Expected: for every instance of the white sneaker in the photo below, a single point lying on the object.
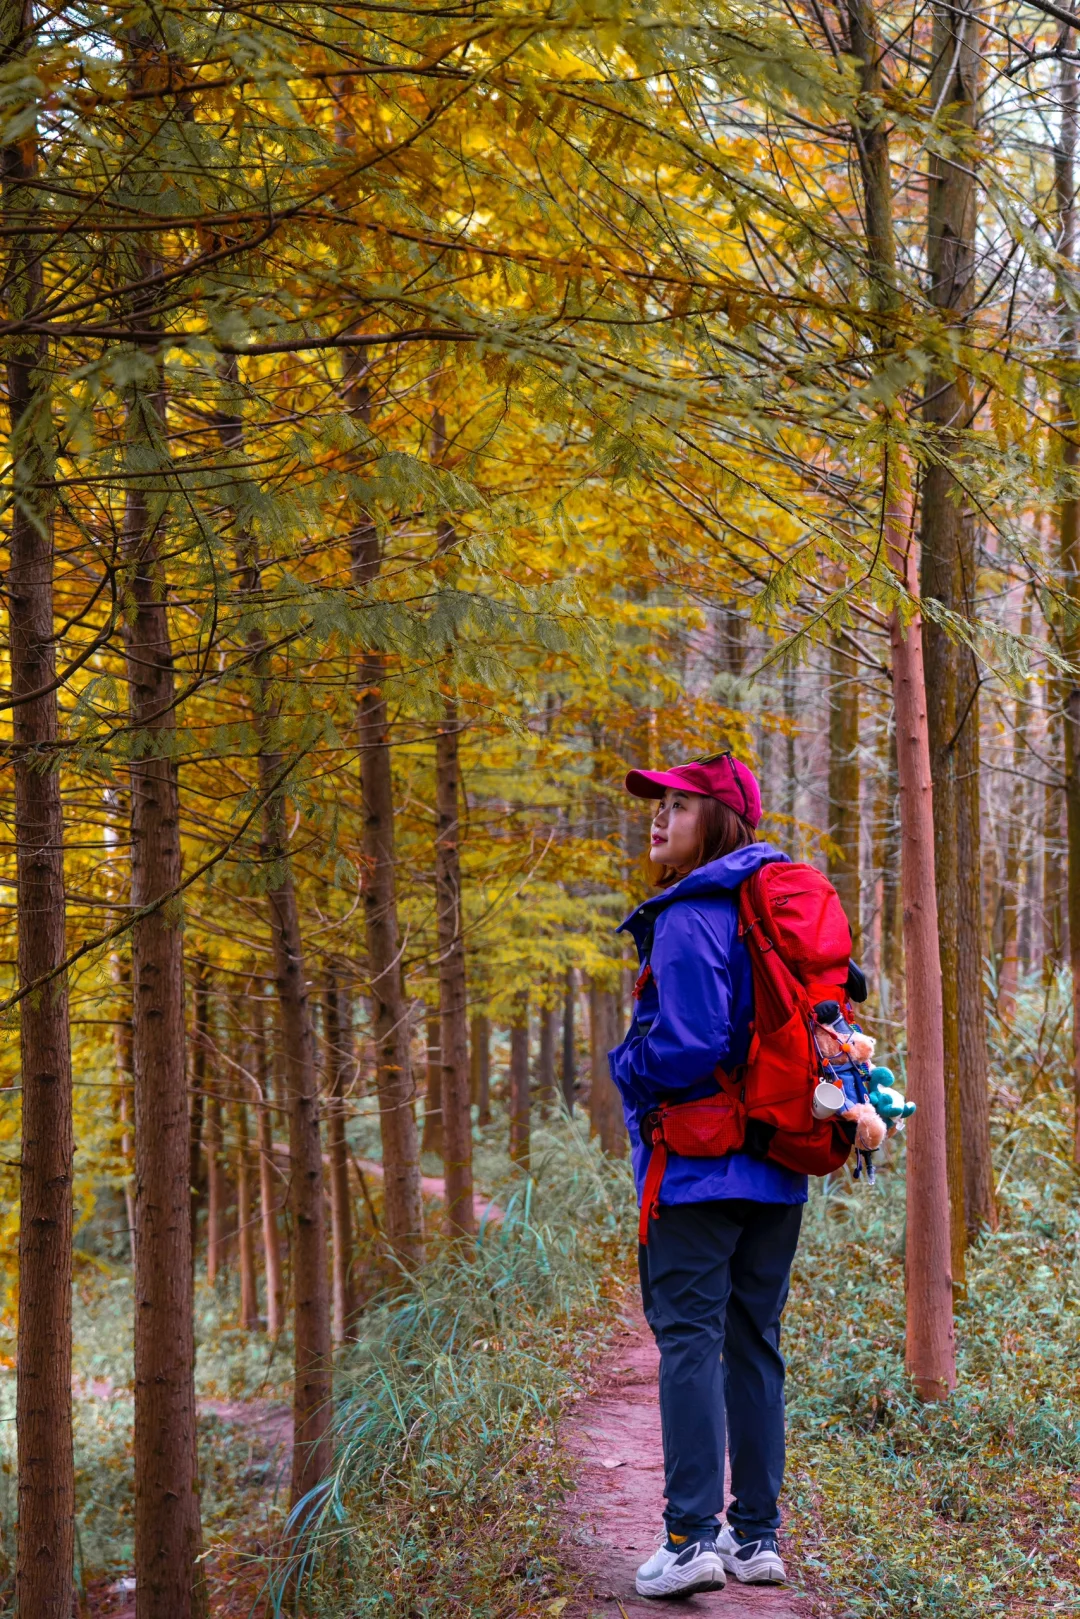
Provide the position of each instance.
(679, 1571)
(753, 1562)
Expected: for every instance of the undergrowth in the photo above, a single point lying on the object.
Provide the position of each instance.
(231, 1366)
(449, 1489)
(971, 1507)
(445, 1499)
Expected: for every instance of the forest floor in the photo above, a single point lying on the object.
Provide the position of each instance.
(476, 1412)
(615, 1513)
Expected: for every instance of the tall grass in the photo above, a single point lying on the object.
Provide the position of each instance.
(969, 1508)
(447, 1480)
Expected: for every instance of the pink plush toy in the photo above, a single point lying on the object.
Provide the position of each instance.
(870, 1126)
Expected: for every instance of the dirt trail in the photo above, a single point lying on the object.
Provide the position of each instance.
(434, 1186)
(616, 1511)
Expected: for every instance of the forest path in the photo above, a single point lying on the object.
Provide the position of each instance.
(616, 1511)
(433, 1186)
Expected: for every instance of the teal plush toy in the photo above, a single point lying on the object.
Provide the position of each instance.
(885, 1100)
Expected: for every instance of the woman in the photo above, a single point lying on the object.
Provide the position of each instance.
(715, 1271)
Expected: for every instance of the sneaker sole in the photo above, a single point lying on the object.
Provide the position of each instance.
(744, 1576)
(705, 1582)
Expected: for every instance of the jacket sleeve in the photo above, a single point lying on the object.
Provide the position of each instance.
(691, 1031)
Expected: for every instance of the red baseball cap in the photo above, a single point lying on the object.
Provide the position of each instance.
(720, 776)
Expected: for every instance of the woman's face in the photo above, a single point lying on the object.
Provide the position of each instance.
(675, 830)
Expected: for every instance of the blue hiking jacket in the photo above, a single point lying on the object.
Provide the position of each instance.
(694, 1013)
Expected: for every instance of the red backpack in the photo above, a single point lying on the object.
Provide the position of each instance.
(800, 948)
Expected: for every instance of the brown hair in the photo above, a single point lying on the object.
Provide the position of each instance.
(720, 830)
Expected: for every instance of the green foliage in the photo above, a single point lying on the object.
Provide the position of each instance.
(967, 1508)
(445, 1495)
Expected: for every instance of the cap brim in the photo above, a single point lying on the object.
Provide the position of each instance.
(654, 783)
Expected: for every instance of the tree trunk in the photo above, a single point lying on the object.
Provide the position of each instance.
(939, 557)
(1008, 975)
(1069, 535)
(930, 1349)
(46, 1471)
(167, 1522)
(245, 1219)
(337, 1053)
(431, 1139)
(980, 1207)
(1052, 872)
(312, 1344)
(403, 1206)
(549, 1018)
(892, 944)
(519, 1081)
(947, 407)
(453, 993)
(313, 1352)
(569, 1045)
(605, 1109)
(791, 780)
(216, 1185)
(480, 1056)
(269, 1196)
(123, 1059)
(393, 1076)
(844, 820)
(197, 1112)
(126, 1156)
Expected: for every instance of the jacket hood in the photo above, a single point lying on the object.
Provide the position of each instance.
(719, 876)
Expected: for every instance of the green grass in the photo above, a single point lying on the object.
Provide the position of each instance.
(969, 1508)
(446, 1498)
(231, 1365)
(449, 1494)
(449, 1491)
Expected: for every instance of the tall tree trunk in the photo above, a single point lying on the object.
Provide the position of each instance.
(549, 1018)
(569, 1044)
(480, 1058)
(217, 1193)
(245, 1220)
(605, 1109)
(844, 820)
(951, 220)
(1008, 976)
(313, 1351)
(520, 1102)
(124, 1071)
(892, 951)
(980, 1206)
(1069, 533)
(393, 1074)
(46, 1471)
(312, 1343)
(431, 1138)
(791, 838)
(930, 1347)
(403, 1207)
(269, 1196)
(337, 1054)
(1052, 874)
(199, 1050)
(168, 1532)
(453, 992)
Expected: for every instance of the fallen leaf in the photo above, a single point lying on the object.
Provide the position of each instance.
(612, 1464)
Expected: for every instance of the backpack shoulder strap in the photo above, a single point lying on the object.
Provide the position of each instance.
(777, 990)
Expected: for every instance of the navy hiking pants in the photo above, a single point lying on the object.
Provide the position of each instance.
(714, 1281)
